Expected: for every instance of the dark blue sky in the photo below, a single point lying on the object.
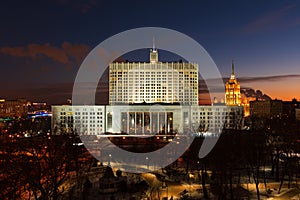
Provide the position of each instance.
(42, 43)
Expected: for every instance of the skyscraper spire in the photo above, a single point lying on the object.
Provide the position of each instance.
(153, 52)
(232, 68)
(153, 44)
(233, 90)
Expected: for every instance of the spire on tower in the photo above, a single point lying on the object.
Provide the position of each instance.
(232, 68)
(153, 44)
(153, 53)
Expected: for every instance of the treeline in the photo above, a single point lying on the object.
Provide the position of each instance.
(38, 167)
(261, 156)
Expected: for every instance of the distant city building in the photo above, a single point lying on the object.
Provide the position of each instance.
(297, 113)
(38, 109)
(289, 109)
(152, 97)
(246, 104)
(233, 93)
(90, 120)
(13, 108)
(38, 106)
(137, 82)
(233, 90)
(266, 109)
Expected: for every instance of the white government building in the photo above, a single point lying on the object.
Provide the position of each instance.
(148, 98)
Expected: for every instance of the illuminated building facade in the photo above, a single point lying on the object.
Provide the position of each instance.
(148, 98)
(233, 95)
(137, 82)
(13, 108)
(144, 119)
(233, 90)
(89, 120)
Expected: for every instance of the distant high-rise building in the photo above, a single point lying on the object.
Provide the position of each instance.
(289, 109)
(233, 95)
(233, 90)
(266, 109)
(165, 82)
(297, 114)
(13, 108)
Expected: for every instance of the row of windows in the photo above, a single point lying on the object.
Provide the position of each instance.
(169, 75)
(152, 93)
(78, 109)
(88, 113)
(153, 78)
(117, 67)
(153, 90)
(91, 125)
(66, 117)
(69, 122)
(216, 122)
(85, 129)
(145, 71)
(130, 78)
(216, 117)
(211, 113)
(86, 117)
(230, 110)
(78, 121)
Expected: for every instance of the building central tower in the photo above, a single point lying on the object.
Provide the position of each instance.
(153, 82)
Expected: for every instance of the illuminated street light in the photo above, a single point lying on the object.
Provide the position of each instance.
(147, 162)
(165, 187)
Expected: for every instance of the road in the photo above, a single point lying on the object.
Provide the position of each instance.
(173, 189)
(291, 194)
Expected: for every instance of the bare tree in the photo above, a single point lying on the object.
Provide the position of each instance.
(42, 164)
(256, 157)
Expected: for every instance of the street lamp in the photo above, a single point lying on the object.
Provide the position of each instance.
(109, 159)
(147, 162)
(165, 187)
(190, 177)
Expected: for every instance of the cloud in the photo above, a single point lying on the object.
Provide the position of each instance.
(78, 52)
(268, 78)
(53, 93)
(250, 92)
(272, 20)
(242, 80)
(67, 54)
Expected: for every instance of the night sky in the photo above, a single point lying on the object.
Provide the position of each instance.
(42, 43)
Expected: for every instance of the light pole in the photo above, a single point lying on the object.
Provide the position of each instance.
(147, 162)
(190, 176)
(165, 187)
(109, 159)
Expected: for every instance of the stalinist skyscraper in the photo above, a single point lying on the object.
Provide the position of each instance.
(233, 90)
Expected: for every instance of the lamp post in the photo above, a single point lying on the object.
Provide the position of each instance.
(147, 160)
(191, 176)
(165, 187)
(109, 159)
